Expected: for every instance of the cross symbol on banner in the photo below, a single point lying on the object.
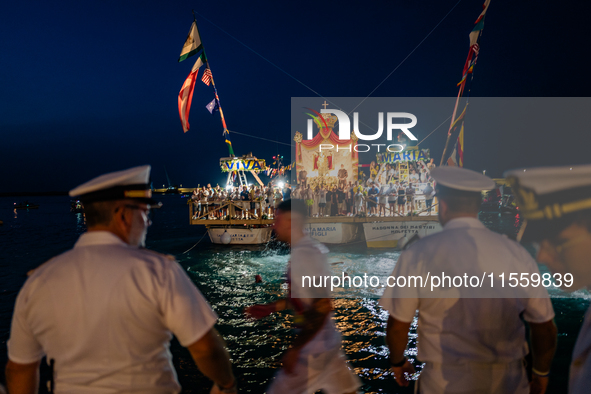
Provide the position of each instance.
(325, 105)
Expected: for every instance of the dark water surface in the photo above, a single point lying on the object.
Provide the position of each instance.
(225, 275)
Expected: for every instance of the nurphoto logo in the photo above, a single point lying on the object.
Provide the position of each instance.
(344, 132)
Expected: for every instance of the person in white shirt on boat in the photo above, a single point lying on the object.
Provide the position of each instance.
(204, 202)
(359, 201)
(414, 176)
(401, 200)
(322, 201)
(277, 198)
(472, 339)
(383, 199)
(105, 311)
(270, 198)
(410, 198)
(556, 205)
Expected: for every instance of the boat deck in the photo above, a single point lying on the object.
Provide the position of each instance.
(423, 217)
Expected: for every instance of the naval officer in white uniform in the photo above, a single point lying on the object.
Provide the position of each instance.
(556, 205)
(469, 344)
(105, 311)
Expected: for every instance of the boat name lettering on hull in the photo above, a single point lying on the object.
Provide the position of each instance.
(407, 228)
(321, 231)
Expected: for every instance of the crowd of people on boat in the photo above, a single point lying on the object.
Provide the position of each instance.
(373, 199)
(382, 194)
(243, 202)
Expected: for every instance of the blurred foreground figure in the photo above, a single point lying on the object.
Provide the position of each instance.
(315, 360)
(556, 205)
(469, 344)
(106, 310)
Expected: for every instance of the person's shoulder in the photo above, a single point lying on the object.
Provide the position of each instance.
(148, 253)
(310, 245)
(50, 265)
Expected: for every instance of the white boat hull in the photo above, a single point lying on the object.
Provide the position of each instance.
(241, 236)
(333, 233)
(395, 234)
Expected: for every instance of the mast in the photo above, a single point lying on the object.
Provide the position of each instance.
(167, 178)
(474, 35)
(226, 133)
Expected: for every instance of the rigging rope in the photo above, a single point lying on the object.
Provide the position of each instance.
(407, 56)
(312, 90)
(203, 236)
(441, 124)
(260, 138)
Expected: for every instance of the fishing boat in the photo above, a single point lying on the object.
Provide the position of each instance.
(76, 206)
(231, 230)
(25, 205)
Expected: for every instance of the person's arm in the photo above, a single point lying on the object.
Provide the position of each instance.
(22, 378)
(213, 361)
(314, 319)
(543, 346)
(396, 340)
(263, 310)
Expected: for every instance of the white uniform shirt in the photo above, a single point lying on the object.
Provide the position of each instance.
(106, 311)
(456, 330)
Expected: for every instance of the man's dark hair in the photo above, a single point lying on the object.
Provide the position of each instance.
(98, 212)
(459, 200)
(297, 206)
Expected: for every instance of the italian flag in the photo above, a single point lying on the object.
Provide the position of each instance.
(192, 44)
(186, 93)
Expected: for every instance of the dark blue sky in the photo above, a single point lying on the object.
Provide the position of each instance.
(91, 87)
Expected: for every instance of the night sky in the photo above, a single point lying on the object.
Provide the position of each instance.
(91, 87)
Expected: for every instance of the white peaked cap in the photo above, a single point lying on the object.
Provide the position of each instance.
(462, 179)
(132, 183)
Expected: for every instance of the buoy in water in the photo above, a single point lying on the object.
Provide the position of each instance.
(226, 238)
(258, 279)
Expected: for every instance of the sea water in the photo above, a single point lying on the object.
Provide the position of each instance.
(226, 276)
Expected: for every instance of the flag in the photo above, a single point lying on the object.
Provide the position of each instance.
(459, 118)
(484, 9)
(451, 161)
(462, 81)
(457, 156)
(192, 44)
(213, 106)
(206, 77)
(460, 146)
(186, 93)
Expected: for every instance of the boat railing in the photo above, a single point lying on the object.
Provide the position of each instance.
(393, 212)
(231, 205)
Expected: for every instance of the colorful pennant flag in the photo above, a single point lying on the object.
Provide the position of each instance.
(206, 77)
(457, 156)
(460, 146)
(186, 93)
(213, 106)
(192, 44)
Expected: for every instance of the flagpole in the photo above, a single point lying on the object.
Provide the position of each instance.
(453, 119)
(217, 98)
(226, 132)
(464, 79)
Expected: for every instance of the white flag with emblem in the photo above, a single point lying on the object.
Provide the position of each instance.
(192, 43)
